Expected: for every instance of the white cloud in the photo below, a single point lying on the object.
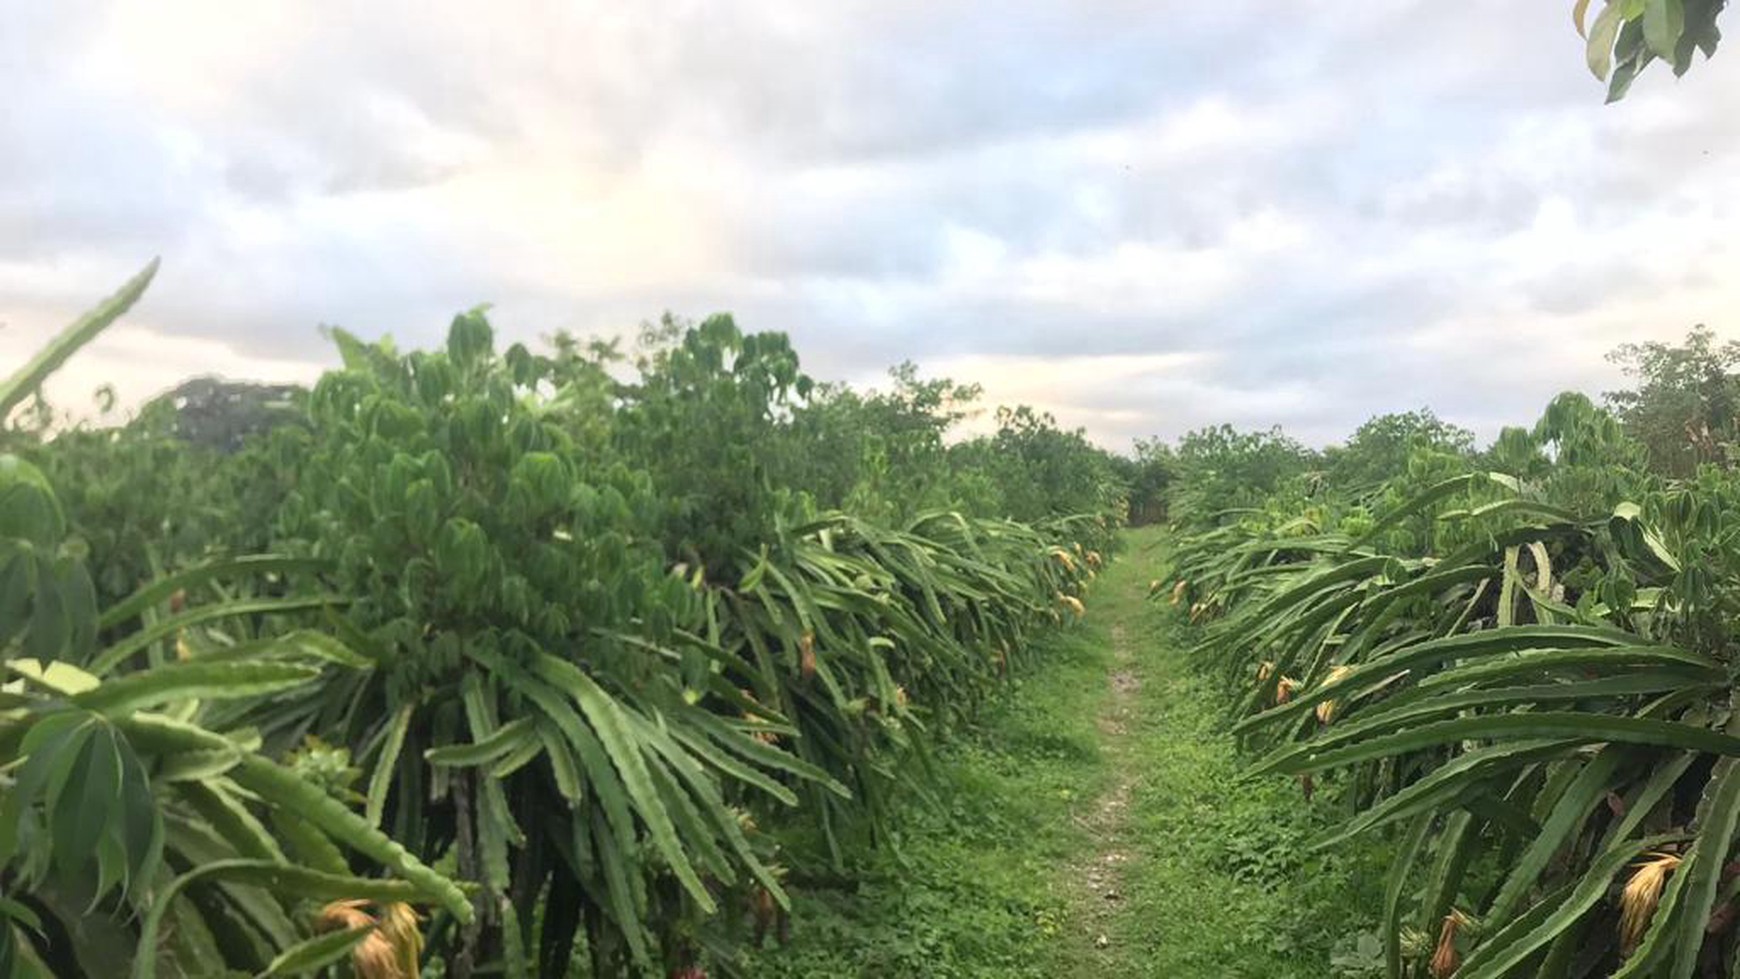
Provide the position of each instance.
(1144, 217)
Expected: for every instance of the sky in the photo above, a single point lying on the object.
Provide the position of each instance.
(1142, 217)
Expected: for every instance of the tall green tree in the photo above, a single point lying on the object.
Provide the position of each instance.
(1380, 448)
(880, 454)
(1222, 468)
(1686, 406)
(1040, 469)
(708, 404)
(1150, 475)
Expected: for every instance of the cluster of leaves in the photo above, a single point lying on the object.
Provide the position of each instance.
(1148, 479)
(1219, 471)
(1525, 674)
(886, 455)
(1685, 410)
(1040, 471)
(580, 637)
(142, 830)
(1626, 36)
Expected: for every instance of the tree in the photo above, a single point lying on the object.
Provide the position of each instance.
(1686, 406)
(1221, 468)
(879, 454)
(1150, 475)
(222, 415)
(1381, 447)
(1039, 469)
(708, 403)
(1627, 35)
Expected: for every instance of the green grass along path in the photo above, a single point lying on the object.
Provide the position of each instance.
(1094, 826)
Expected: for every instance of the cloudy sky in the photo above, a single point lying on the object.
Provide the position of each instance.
(1144, 217)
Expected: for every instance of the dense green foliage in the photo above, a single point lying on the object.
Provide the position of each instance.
(1627, 36)
(1513, 665)
(1685, 409)
(583, 647)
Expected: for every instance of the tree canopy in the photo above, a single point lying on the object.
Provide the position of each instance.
(1683, 409)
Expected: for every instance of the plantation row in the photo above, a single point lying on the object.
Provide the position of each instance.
(1512, 669)
(475, 662)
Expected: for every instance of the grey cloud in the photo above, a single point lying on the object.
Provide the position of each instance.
(843, 154)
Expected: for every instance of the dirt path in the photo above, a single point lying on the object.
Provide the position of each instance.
(1184, 868)
(1099, 878)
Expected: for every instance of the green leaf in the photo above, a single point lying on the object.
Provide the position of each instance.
(279, 786)
(503, 741)
(141, 820)
(563, 764)
(1407, 855)
(62, 678)
(1602, 36)
(193, 680)
(470, 339)
(1458, 779)
(1587, 790)
(1663, 23)
(29, 509)
(159, 591)
(1544, 724)
(285, 881)
(316, 953)
(1703, 865)
(766, 755)
(1506, 951)
(1491, 642)
(1455, 847)
(52, 748)
(219, 805)
(513, 952)
(606, 718)
(88, 800)
(386, 764)
(50, 627)
(1432, 494)
(1429, 700)
(120, 651)
(27, 379)
(161, 734)
(306, 845)
(619, 899)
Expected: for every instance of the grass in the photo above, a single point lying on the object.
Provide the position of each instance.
(1222, 882)
(975, 890)
(1213, 877)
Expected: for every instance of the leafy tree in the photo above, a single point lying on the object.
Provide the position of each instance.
(880, 454)
(1686, 406)
(1150, 476)
(222, 415)
(1515, 452)
(1222, 468)
(1039, 469)
(513, 593)
(1381, 447)
(134, 816)
(1627, 35)
(702, 418)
